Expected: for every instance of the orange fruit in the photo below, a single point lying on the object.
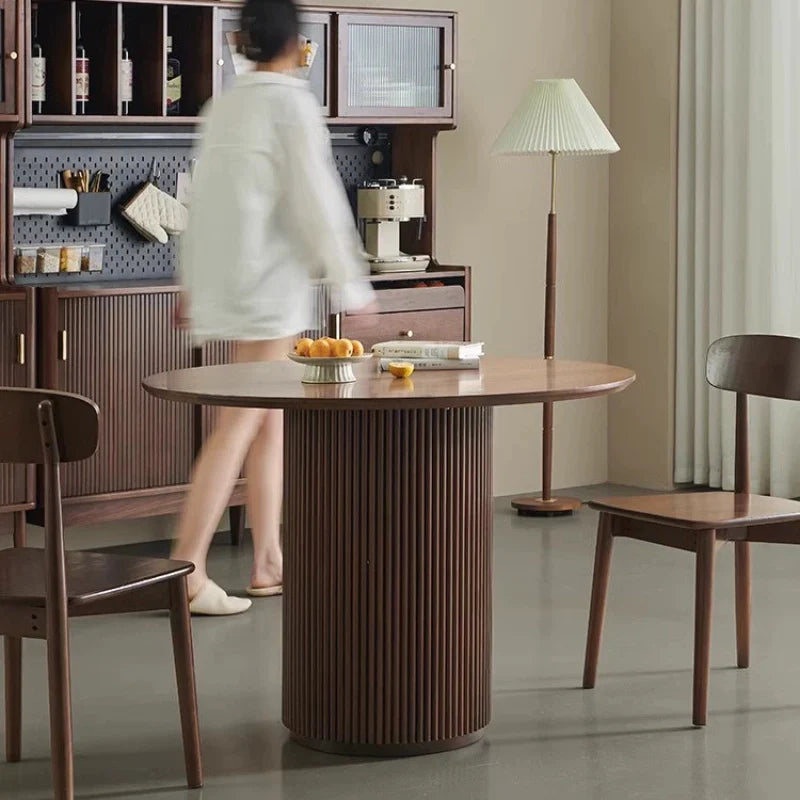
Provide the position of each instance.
(342, 348)
(303, 347)
(329, 340)
(320, 349)
(401, 369)
(358, 348)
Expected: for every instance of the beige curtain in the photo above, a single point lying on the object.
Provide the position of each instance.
(738, 226)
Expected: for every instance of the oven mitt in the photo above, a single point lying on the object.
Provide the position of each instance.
(155, 214)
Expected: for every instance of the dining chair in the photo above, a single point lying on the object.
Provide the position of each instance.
(766, 366)
(41, 589)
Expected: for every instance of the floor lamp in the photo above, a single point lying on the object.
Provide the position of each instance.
(555, 119)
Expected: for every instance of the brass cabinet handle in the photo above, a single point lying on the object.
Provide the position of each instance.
(62, 355)
(21, 349)
(407, 334)
(13, 55)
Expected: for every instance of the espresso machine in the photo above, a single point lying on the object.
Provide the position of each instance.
(382, 206)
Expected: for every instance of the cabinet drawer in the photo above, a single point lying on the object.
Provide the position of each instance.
(421, 299)
(446, 325)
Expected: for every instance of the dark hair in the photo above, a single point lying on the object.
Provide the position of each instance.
(268, 28)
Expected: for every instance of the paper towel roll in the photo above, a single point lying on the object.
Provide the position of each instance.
(43, 201)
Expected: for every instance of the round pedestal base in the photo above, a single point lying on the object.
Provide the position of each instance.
(537, 507)
(387, 584)
(390, 750)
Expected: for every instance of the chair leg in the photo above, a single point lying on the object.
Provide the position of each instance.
(743, 604)
(704, 590)
(13, 669)
(602, 571)
(236, 514)
(60, 707)
(180, 621)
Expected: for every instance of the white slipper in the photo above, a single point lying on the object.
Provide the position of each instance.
(269, 591)
(213, 601)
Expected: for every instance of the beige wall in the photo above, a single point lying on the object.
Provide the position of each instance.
(641, 302)
(492, 214)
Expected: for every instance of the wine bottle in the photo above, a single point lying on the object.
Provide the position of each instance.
(38, 67)
(173, 82)
(81, 72)
(125, 77)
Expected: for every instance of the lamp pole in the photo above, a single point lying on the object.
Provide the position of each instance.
(547, 505)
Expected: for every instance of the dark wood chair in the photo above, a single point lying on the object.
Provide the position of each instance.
(766, 366)
(41, 589)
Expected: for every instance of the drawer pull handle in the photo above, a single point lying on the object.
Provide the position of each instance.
(62, 355)
(407, 334)
(21, 349)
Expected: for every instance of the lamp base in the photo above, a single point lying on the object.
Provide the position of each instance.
(538, 507)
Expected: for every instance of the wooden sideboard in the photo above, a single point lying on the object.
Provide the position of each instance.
(102, 342)
(102, 339)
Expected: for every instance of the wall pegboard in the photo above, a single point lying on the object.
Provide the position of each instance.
(128, 257)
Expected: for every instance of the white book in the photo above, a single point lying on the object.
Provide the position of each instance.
(423, 364)
(440, 350)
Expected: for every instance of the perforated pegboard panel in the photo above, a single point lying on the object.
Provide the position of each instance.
(128, 257)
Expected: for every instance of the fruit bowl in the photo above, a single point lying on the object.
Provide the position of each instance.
(329, 370)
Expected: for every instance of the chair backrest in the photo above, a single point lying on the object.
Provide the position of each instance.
(768, 366)
(75, 420)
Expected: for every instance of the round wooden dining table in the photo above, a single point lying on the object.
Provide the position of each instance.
(387, 615)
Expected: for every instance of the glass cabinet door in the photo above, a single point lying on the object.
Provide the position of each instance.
(314, 27)
(11, 62)
(395, 65)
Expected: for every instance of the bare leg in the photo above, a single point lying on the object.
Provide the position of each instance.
(264, 471)
(217, 469)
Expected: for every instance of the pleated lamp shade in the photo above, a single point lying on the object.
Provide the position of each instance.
(555, 117)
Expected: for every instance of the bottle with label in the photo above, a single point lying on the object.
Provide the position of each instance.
(81, 72)
(38, 67)
(125, 78)
(173, 82)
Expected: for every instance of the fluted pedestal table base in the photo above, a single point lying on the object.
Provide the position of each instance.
(387, 589)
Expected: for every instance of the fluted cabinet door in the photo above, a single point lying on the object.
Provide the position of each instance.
(396, 65)
(14, 359)
(106, 343)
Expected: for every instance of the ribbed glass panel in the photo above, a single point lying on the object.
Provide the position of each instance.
(394, 66)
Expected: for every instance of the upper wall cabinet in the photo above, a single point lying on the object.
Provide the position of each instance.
(144, 61)
(397, 66)
(12, 63)
(315, 27)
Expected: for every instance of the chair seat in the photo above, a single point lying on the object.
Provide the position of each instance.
(90, 576)
(703, 510)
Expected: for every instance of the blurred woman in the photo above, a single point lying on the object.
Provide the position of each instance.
(268, 216)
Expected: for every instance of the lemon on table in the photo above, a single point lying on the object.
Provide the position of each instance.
(401, 369)
(303, 348)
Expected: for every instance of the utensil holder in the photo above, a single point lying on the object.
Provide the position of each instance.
(94, 208)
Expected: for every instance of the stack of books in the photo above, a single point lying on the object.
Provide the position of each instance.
(430, 355)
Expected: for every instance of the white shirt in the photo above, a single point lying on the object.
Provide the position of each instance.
(268, 215)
